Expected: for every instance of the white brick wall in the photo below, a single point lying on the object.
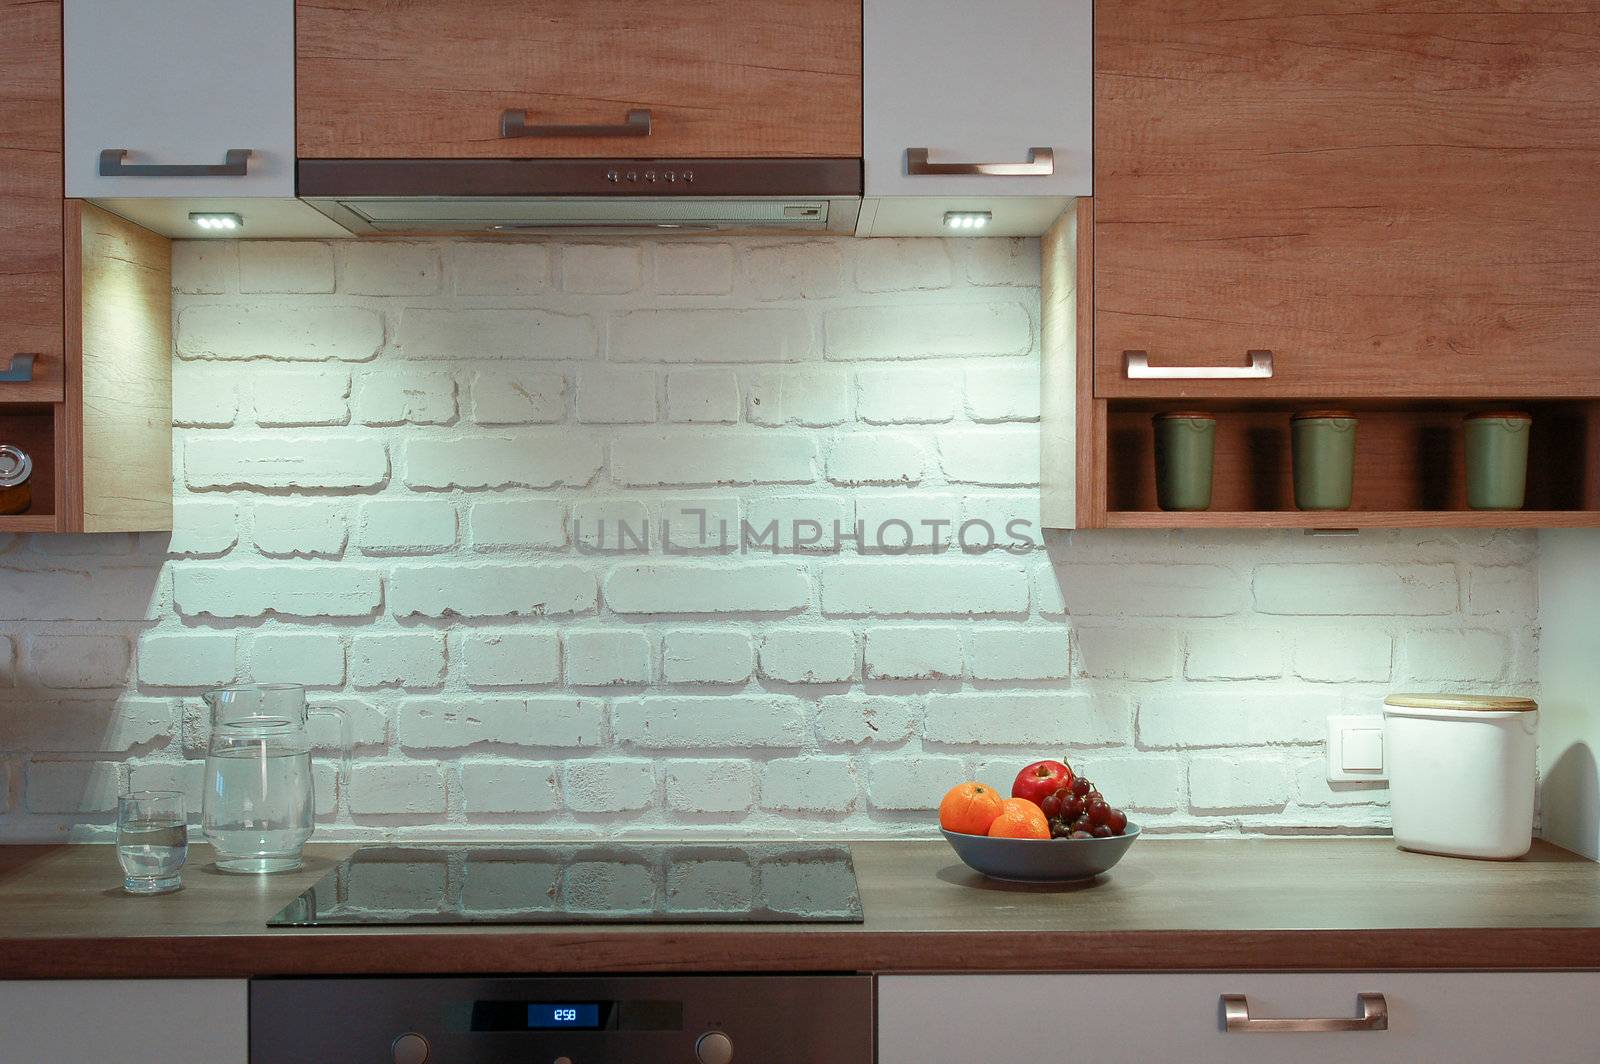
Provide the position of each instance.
(721, 789)
(914, 652)
(391, 464)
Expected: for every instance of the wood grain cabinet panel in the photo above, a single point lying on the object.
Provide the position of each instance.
(1394, 199)
(431, 78)
(30, 206)
(102, 457)
(119, 419)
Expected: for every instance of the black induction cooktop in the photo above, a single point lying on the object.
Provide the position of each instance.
(610, 883)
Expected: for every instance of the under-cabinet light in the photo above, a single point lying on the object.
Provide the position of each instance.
(966, 219)
(216, 220)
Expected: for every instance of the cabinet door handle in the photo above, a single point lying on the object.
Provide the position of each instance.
(515, 124)
(1374, 1017)
(19, 370)
(1139, 368)
(1041, 163)
(235, 163)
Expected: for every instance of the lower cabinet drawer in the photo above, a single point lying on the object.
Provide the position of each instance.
(1472, 1018)
(130, 1021)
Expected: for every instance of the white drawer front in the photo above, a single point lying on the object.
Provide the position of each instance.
(1434, 1018)
(136, 1021)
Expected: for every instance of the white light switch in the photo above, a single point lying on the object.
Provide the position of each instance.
(1363, 750)
(1355, 749)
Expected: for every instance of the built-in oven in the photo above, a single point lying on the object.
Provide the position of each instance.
(689, 1019)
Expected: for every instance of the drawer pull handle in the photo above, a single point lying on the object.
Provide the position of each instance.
(1374, 1017)
(20, 370)
(1041, 163)
(235, 163)
(1139, 368)
(515, 124)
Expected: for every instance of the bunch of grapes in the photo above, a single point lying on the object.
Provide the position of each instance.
(1078, 812)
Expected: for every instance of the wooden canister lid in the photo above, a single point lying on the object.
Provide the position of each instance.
(1186, 415)
(1339, 414)
(1500, 415)
(1472, 703)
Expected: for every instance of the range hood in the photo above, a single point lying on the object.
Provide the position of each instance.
(615, 196)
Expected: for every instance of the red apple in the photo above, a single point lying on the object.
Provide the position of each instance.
(1041, 779)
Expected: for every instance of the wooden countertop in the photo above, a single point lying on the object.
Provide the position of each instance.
(1305, 904)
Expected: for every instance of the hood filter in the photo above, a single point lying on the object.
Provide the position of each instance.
(514, 214)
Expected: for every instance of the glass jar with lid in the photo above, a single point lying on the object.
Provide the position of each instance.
(16, 469)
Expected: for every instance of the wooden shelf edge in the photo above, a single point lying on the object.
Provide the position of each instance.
(31, 394)
(1357, 519)
(28, 523)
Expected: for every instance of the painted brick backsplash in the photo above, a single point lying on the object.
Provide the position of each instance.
(666, 537)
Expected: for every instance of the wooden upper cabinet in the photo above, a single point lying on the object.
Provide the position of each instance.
(30, 206)
(1394, 200)
(382, 79)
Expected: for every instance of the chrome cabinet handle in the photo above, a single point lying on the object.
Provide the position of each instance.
(19, 371)
(515, 124)
(1139, 368)
(1041, 163)
(235, 163)
(1374, 1017)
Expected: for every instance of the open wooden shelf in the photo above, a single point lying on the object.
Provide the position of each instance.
(1410, 467)
(33, 427)
(1338, 519)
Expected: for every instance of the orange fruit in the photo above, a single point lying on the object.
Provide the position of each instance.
(969, 808)
(1020, 819)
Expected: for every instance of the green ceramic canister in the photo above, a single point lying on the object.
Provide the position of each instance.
(1185, 451)
(1324, 459)
(1497, 459)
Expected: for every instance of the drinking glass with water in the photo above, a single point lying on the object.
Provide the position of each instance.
(152, 840)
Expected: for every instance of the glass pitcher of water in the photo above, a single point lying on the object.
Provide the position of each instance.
(258, 805)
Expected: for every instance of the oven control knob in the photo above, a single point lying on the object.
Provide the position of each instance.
(410, 1048)
(714, 1047)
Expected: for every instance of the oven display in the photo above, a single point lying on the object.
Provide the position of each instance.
(532, 1017)
(566, 1015)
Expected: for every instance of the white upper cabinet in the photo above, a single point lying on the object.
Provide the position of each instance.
(977, 102)
(182, 87)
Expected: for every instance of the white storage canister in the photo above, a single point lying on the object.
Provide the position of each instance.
(1461, 773)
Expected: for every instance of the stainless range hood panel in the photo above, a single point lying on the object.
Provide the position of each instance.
(584, 195)
(513, 214)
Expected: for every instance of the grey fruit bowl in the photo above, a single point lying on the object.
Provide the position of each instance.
(1041, 860)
